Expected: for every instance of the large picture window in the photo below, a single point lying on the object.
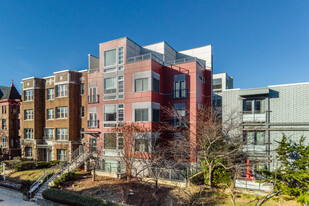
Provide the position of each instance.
(110, 58)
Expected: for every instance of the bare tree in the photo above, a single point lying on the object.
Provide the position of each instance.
(208, 139)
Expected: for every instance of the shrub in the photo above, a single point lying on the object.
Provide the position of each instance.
(25, 186)
(40, 165)
(59, 181)
(24, 166)
(10, 163)
(54, 162)
(70, 198)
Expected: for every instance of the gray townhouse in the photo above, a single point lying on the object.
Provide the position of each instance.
(265, 114)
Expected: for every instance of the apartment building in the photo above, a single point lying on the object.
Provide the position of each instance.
(265, 115)
(220, 82)
(53, 114)
(131, 83)
(9, 111)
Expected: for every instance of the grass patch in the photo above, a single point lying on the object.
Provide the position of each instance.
(31, 175)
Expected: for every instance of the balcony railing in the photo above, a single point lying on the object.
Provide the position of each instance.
(93, 124)
(93, 99)
(254, 117)
(180, 94)
(184, 60)
(256, 149)
(144, 57)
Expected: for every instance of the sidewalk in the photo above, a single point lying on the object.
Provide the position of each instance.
(9, 197)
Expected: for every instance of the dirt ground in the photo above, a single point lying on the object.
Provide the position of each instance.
(141, 194)
(118, 190)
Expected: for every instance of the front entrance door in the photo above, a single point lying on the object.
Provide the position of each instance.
(45, 154)
(92, 144)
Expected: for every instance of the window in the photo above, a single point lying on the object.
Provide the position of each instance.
(50, 94)
(120, 55)
(113, 69)
(82, 89)
(217, 83)
(110, 113)
(180, 89)
(113, 141)
(120, 112)
(61, 154)
(141, 145)
(110, 140)
(120, 84)
(253, 106)
(110, 58)
(62, 90)
(141, 115)
(50, 114)
(3, 109)
(82, 135)
(61, 134)
(141, 85)
(28, 151)
(155, 85)
(4, 124)
(12, 109)
(201, 78)
(93, 97)
(82, 111)
(28, 133)
(4, 142)
(29, 114)
(110, 85)
(156, 115)
(28, 95)
(180, 113)
(254, 138)
(49, 133)
(93, 122)
(61, 112)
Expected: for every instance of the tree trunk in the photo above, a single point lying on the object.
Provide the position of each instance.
(210, 177)
(93, 174)
(156, 187)
(128, 174)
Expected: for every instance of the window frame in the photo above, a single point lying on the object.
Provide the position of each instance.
(63, 112)
(62, 91)
(48, 115)
(62, 136)
(28, 97)
(142, 84)
(142, 110)
(50, 95)
(28, 114)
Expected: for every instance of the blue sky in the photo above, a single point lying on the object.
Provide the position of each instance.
(258, 42)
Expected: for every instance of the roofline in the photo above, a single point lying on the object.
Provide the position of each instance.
(84, 70)
(93, 56)
(161, 42)
(196, 47)
(29, 78)
(48, 77)
(292, 84)
(114, 40)
(66, 70)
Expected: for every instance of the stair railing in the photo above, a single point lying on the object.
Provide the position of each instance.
(53, 172)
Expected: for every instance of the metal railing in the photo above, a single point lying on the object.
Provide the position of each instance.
(184, 60)
(180, 94)
(93, 99)
(92, 124)
(144, 57)
(77, 158)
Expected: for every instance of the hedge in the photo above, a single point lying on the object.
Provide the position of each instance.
(59, 181)
(74, 199)
(28, 165)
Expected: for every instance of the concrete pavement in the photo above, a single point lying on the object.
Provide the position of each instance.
(9, 197)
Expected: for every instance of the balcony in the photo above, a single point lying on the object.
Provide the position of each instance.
(93, 99)
(254, 117)
(180, 94)
(144, 57)
(92, 124)
(185, 60)
(255, 149)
